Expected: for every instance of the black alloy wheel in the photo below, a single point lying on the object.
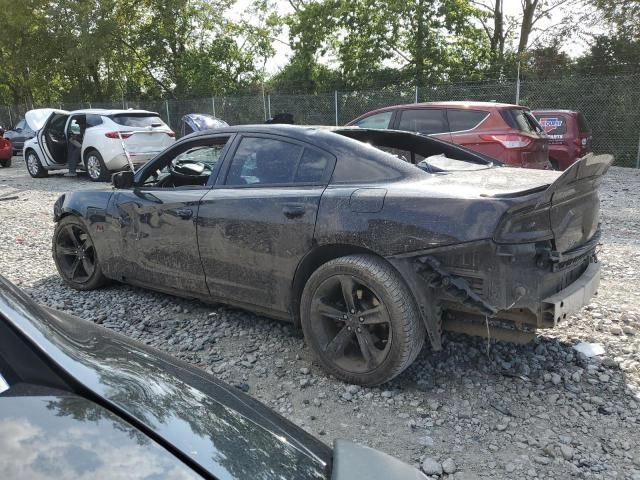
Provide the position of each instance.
(360, 320)
(351, 324)
(75, 255)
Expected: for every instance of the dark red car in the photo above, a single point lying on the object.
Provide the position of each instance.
(569, 136)
(6, 150)
(509, 133)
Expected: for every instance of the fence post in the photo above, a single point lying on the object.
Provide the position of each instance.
(335, 93)
(213, 106)
(264, 104)
(10, 117)
(638, 154)
(269, 104)
(518, 86)
(166, 105)
(416, 93)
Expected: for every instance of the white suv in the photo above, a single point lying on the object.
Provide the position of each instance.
(107, 137)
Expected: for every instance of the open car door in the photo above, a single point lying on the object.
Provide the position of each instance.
(52, 138)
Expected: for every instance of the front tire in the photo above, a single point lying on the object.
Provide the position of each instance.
(34, 166)
(360, 320)
(75, 255)
(5, 163)
(96, 169)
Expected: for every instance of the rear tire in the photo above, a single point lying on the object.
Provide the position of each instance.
(360, 320)
(34, 166)
(96, 169)
(5, 163)
(75, 255)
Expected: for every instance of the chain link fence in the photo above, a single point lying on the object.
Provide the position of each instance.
(611, 105)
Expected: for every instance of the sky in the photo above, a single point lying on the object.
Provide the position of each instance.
(574, 47)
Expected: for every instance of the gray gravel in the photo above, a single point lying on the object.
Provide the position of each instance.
(536, 411)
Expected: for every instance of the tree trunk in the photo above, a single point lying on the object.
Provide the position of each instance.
(528, 11)
(418, 56)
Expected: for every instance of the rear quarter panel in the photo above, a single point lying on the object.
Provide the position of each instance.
(404, 217)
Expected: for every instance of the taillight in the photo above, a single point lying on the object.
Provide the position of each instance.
(509, 140)
(118, 135)
(171, 133)
(530, 224)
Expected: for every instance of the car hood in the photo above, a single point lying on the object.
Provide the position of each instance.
(215, 428)
(49, 434)
(37, 118)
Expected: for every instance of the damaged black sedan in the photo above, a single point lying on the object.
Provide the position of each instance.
(371, 240)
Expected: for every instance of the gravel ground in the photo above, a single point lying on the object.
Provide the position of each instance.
(536, 411)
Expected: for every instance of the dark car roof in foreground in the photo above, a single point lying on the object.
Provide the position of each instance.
(214, 428)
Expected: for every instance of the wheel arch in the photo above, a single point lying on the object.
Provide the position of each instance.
(314, 260)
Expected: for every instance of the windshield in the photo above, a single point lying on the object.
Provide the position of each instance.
(206, 122)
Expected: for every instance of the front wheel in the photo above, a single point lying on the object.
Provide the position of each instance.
(96, 168)
(5, 163)
(75, 255)
(360, 320)
(34, 166)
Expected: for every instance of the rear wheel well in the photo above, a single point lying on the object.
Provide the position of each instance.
(314, 260)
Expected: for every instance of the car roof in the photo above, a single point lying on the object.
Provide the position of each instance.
(458, 104)
(106, 112)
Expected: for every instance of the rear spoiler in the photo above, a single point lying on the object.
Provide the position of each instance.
(589, 168)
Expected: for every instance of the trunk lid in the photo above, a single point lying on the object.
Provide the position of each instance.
(143, 132)
(575, 203)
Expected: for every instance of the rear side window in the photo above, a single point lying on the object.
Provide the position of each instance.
(263, 161)
(583, 125)
(312, 166)
(518, 119)
(460, 120)
(553, 124)
(424, 120)
(93, 120)
(377, 120)
(129, 120)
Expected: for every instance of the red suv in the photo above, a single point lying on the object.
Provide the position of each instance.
(569, 136)
(509, 133)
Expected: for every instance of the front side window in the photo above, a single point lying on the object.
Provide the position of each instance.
(425, 120)
(377, 120)
(264, 161)
(190, 166)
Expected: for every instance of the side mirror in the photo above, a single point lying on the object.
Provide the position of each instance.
(122, 180)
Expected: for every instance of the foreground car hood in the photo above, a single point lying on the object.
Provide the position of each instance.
(50, 434)
(214, 427)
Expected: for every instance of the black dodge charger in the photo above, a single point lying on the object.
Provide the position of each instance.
(371, 240)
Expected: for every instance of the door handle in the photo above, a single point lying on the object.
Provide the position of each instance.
(294, 211)
(184, 213)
